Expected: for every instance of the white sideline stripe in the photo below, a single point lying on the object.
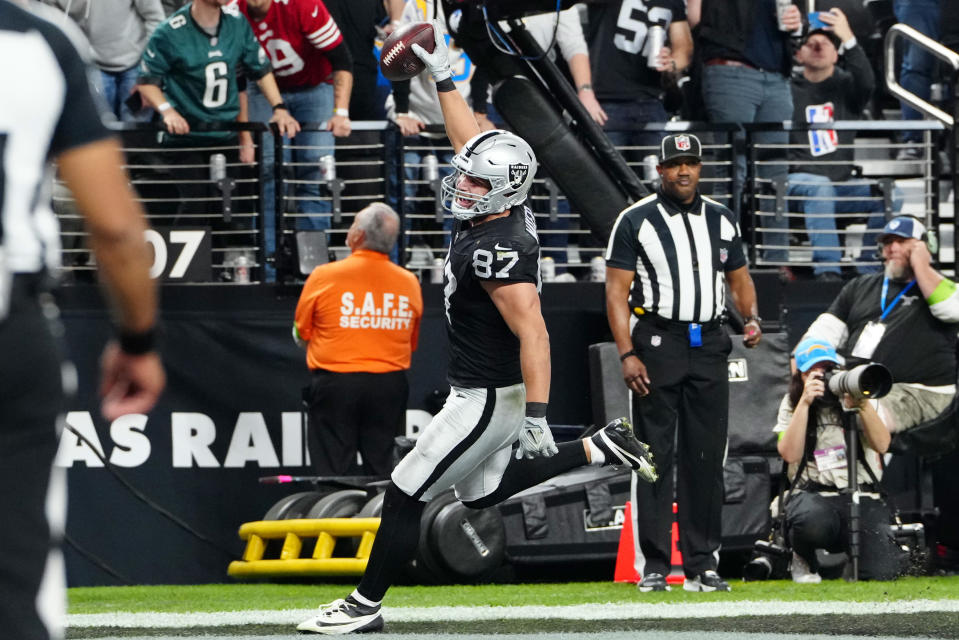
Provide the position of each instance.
(605, 611)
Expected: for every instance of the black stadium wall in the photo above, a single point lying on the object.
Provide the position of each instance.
(231, 415)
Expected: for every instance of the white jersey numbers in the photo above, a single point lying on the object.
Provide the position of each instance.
(215, 93)
(483, 262)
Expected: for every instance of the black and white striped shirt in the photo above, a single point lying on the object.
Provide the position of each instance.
(47, 107)
(680, 254)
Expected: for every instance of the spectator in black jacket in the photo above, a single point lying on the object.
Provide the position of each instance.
(821, 159)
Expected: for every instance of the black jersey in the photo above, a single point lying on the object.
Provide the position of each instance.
(916, 347)
(483, 350)
(680, 254)
(47, 107)
(618, 45)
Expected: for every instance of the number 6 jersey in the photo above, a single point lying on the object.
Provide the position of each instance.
(483, 350)
(197, 70)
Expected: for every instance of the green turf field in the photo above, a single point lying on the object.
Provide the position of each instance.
(238, 597)
(909, 607)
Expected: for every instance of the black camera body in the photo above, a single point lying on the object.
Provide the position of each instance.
(770, 561)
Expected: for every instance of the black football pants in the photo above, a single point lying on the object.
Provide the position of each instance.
(684, 417)
(30, 400)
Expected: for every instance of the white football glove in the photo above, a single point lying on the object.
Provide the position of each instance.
(535, 439)
(437, 62)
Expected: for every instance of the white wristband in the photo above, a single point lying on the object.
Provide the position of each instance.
(164, 107)
(341, 112)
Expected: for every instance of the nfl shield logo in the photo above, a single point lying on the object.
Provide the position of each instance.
(682, 143)
(517, 174)
(656, 341)
(723, 255)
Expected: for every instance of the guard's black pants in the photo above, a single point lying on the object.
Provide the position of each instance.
(30, 399)
(356, 411)
(684, 416)
(815, 521)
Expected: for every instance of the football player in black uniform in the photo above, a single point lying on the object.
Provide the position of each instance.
(499, 368)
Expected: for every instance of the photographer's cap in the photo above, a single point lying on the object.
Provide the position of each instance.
(904, 227)
(680, 145)
(813, 350)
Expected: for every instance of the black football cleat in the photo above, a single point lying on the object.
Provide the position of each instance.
(620, 446)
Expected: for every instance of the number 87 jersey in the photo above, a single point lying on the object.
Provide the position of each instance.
(483, 350)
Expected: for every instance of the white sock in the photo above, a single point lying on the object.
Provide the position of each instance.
(364, 601)
(596, 456)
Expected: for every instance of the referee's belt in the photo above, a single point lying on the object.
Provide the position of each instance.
(678, 326)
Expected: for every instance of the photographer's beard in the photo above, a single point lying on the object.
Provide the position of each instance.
(898, 269)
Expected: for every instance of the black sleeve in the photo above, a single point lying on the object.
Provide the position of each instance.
(737, 255)
(842, 305)
(82, 117)
(479, 88)
(340, 57)
(401, 95)
(621, 251)
(863, 81)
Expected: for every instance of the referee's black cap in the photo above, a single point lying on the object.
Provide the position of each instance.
(680, 145)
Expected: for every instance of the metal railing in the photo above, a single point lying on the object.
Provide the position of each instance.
(209, 189)
(785, 228)
(951, 58)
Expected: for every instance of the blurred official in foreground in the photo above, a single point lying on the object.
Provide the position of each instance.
(48, 111)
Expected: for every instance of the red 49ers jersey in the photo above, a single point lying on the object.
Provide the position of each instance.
(295, 33)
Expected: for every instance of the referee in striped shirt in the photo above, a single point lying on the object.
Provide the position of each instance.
(669, 258)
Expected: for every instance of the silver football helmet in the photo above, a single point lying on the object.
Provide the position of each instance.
(499, 157)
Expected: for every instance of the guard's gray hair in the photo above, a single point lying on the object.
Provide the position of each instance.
(380, 224)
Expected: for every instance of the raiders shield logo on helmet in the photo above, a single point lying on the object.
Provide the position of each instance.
(517, 174)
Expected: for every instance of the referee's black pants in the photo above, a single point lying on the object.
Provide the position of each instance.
(30, 401)
(350, 412)
(685, 417)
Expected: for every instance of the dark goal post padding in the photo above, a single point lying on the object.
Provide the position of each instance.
(587, 185)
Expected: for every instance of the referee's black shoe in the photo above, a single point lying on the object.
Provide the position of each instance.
(706, 581)
(620, 446)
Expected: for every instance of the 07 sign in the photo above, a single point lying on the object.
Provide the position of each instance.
(180, 255)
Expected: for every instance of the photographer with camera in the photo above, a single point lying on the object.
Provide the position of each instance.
(905, 318)
(812, 442)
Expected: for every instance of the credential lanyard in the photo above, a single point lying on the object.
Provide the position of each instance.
(885, 289)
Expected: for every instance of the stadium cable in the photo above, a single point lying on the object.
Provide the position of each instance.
(494, 33)
(150, 503)
(95, 560)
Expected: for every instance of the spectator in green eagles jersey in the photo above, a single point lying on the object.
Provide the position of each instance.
(189, 71)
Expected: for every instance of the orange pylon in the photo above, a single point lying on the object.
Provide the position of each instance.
(626, 554)
(676, 575)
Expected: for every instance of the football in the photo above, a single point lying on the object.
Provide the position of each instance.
(397, 59)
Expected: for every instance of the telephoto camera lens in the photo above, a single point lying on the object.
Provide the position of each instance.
(871, 380)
